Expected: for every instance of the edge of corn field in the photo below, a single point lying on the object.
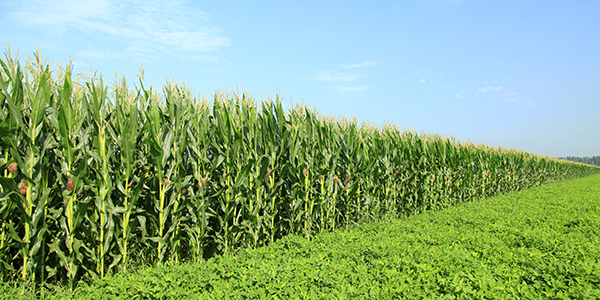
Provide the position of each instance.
(95, 180)
(540, 243)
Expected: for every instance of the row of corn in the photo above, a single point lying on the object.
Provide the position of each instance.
(96, 180)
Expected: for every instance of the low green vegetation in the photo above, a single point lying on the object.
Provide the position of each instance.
(542, 243)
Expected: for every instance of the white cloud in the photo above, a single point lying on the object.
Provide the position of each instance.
(350, 88)
(510, 96)
(336, 76)
(448, 1)
(490, 89)
(361, 65)
(339, 74)
(145, 27)
(507, 95)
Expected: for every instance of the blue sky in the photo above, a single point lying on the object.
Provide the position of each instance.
(516, 74)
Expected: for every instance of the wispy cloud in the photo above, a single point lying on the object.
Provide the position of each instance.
(510, 96)
(490, 89)
(336, 76)
(350, 88)
(448, 1)
(149, 28)
(506, 93)
(361, 65)
(339, 73)
(345, 73)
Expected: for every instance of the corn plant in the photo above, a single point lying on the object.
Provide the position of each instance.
(101, 222)
(199, 160)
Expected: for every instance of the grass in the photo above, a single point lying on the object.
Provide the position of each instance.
(541, 243)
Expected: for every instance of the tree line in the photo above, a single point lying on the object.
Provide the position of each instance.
(594, 160)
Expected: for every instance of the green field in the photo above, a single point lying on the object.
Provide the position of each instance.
(98, 180)
(541, 243)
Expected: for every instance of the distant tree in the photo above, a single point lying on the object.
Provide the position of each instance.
(594, 160)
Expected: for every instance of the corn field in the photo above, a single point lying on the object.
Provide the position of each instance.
(95, 179)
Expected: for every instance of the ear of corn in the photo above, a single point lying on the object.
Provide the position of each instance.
(95, 180)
